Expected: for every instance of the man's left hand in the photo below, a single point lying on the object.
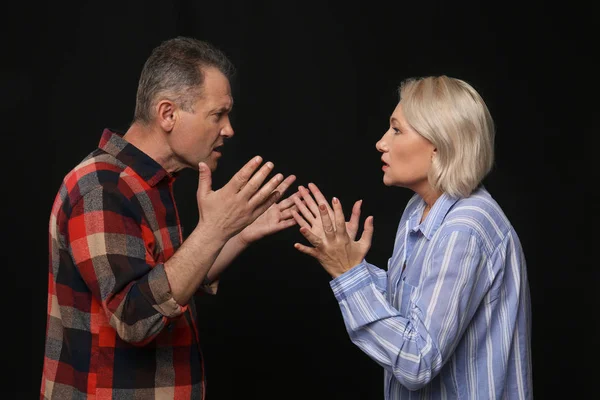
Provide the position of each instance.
(276, 218)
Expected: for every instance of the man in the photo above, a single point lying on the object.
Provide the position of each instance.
(121, 316)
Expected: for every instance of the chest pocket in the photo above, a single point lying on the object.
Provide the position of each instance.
(403, 297)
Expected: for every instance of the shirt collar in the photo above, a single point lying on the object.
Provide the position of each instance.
(435, 217)
(112, 142)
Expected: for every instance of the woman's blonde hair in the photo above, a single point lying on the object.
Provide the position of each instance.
(452, 115)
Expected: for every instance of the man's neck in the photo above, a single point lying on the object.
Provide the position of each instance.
(152, 141)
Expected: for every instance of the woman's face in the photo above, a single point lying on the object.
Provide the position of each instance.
(406, 155)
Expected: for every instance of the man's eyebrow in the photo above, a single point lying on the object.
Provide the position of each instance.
(224, 108)
(221, 109)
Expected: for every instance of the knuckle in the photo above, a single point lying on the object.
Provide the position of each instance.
(241, 178)
(252, 186)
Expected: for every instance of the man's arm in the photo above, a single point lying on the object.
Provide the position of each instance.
(232, 249)
(276, 218)
(110, 246)
(223, 214)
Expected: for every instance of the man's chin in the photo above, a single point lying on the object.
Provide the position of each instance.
(212, 164)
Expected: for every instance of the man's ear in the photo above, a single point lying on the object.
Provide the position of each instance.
(166, 112)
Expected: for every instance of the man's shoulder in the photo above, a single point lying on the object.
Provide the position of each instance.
(99, 170)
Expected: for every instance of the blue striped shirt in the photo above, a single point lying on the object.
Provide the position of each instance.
(455, 323)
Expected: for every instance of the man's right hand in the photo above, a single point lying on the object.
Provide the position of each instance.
(237, 204)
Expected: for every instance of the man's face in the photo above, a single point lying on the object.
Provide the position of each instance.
(198, 135)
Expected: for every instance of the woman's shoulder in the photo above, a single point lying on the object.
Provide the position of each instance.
(478, 214)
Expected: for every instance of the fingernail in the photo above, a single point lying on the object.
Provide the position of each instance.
(270, 164)
(257, 159)
(335, 200)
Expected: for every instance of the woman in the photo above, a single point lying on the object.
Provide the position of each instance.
(450, 317)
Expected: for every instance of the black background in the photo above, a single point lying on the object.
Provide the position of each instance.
(315, 86)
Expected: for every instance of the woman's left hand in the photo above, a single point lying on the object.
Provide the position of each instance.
(334, 247)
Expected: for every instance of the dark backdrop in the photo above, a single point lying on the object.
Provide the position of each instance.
(315, 86)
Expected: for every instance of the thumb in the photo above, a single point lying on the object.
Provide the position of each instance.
(367, 235)
(204, 180)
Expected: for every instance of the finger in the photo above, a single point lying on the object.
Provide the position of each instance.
(267, 190)
(288, 202)
(240, 179)
(352, 226)
(306, 250)
(310, 202)
(287, 214)
(287, 223)
(299, 220)
(204, 180)
(326, 221)
(304, 210)
(285, 185)
(367, 235)
(340, 221)
(311, 237)
(259, 208)
(255, 186)
(319, 197)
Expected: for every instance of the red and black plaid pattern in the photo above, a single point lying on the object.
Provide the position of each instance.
(114, 331)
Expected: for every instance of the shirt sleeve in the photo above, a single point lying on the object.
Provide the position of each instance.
(109, 243)
(364, 274)
(413, 344)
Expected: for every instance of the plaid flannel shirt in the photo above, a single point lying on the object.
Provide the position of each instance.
(113, 327)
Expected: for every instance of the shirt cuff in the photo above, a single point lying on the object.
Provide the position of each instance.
(160, 290)
(350, 281)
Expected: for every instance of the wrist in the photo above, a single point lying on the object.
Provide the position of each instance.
(242, 240)
(207, 234)
(339, 270)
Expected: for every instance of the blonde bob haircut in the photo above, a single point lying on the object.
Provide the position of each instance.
(454, 118)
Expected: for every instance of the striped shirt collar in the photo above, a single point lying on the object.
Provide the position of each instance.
(435, 217)
(149, 170)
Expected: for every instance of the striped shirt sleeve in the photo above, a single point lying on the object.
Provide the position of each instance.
(414, 343)
(108, 239)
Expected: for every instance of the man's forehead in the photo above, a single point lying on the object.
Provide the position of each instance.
(225, 104)
(216, 91)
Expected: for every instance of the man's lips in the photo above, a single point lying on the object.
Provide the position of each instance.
(218, 149)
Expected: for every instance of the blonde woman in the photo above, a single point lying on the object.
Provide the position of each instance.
(449, 318)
